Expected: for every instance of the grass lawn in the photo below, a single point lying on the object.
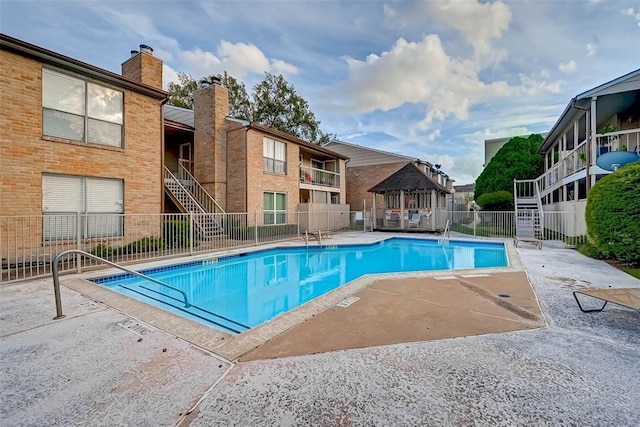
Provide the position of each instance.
(635, 272)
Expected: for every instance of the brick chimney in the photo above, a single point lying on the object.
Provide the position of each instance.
(210, 110)
(143, 67)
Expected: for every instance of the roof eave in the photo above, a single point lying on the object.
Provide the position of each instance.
(54, 58)
(292, 138)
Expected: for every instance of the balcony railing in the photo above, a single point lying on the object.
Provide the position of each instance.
(626, 140)
(322, 177)
(576, 160)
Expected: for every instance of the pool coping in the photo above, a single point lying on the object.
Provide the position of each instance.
(229, 346)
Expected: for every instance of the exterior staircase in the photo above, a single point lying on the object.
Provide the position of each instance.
(528, 208)
(190, 197)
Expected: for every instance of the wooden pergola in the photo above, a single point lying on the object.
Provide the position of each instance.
(412, 199)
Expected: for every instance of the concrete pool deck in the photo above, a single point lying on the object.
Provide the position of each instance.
(91, 369)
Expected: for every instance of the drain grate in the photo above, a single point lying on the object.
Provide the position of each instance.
(134, 327)
(347, 302)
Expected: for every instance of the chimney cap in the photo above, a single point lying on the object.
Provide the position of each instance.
(134, 53)
(146, 49)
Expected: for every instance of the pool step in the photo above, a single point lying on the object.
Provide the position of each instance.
(155, 296)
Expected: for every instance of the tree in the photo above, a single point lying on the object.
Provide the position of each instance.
(181, 93)
(613, 215)
(274, 102)
(239, 103)
(517, 159)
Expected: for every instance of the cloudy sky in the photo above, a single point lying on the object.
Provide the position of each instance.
(431, 79)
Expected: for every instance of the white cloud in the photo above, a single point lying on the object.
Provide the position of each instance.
(238, 59)
(569, 67)
(388, 11)
(278, 66)
(479, 22)
(631, 12)
(592, 48)
(169, 75)
(417, 72)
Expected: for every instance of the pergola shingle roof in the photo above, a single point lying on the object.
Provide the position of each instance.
(408, 178)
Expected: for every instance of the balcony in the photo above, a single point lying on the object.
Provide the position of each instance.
(319, 177)
(626, 140)
(575, 161)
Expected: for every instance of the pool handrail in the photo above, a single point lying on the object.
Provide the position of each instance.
(56, 278)
(445, 234)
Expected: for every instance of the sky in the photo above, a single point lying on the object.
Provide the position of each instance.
(427, 79)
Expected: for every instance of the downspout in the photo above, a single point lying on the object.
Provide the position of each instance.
(164, 101)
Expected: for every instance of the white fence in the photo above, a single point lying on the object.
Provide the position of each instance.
(29, 244)
(567, 227)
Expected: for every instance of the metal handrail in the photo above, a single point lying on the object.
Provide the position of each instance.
(201, 195)
(56, 278)
(168, 175)
(445, 234)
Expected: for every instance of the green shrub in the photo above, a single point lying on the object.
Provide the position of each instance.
(102, 251)
(588, 249)
(177, 233)
(146, 244)
(498, 201)
(264, 231)
(613, 215)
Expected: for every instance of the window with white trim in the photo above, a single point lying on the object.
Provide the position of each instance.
(275, 208)
(274, 154)
(73, 108)
(98, 200)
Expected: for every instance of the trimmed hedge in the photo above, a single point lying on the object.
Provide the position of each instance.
(177, 233)
(498, 201)
(146, 244)
(613, 215)
(238, 232)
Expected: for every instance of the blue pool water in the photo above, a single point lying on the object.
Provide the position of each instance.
(238, 292)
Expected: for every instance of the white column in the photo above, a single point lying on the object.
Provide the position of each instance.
(593, 142)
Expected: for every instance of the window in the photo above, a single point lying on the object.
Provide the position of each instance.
(275, 156)
(98, 200)
(75, 109)
(275, 208)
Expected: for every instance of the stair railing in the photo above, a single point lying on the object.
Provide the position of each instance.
(200, 194)
(168, 175)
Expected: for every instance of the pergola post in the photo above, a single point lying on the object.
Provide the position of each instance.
(402, 209)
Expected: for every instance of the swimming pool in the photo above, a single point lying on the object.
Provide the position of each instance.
(238, 292)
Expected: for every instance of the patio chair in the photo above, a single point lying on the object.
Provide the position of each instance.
(414, 220)
(525, 231)
(626, 297)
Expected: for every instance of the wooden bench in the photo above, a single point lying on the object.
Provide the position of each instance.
(626, 297)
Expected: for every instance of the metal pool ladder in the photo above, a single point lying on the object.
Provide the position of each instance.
(445, 234)
(56, 278)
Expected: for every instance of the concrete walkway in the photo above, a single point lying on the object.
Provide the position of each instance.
(92, 369)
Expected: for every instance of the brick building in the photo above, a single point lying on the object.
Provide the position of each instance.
(248, 167)
(77, 138)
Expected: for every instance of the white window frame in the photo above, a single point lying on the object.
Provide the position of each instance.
(274, 216)
(89, 121)
(95, 221)
(272, 162)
